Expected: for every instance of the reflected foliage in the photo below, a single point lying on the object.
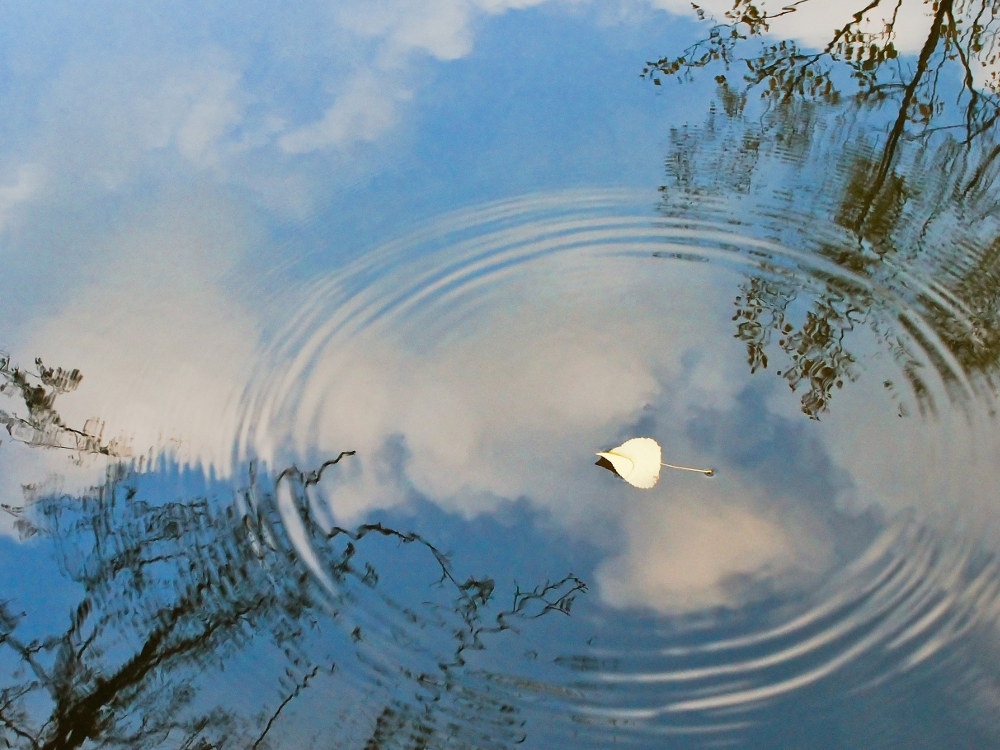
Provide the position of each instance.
(818, 361)
(40, 423)
(933, 215)
(962, 33)
(960, 42)
(177, 597)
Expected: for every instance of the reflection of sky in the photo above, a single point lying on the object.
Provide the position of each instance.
(146, 176)
(150, 175)
(478, 402)
(154, 160)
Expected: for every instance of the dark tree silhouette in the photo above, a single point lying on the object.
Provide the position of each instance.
(41, 425)
(173, 593)
(961, 38)
(934, 215)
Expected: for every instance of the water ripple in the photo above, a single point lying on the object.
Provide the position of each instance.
(911, 595)
(841, 612)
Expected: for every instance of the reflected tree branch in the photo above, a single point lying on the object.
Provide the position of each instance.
(298, 688)
(42, 426)
(924, 204)
(909, 94)
(962, 32)
(172, 588)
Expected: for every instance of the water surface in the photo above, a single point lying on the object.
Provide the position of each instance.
(333, 314)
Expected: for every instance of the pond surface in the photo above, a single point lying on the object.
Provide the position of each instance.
(314, 322)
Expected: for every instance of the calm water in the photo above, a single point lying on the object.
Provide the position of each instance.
(315, 318)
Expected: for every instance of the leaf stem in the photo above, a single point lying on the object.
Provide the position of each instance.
(706, 472)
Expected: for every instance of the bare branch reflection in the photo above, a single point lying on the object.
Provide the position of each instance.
(961, 39)
(174, 594)
(42, 425)
(934, 213)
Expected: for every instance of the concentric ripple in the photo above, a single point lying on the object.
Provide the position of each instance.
(909, 597)
(457, 268)
(844, 549)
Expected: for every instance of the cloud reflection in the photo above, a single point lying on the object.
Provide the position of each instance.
(163, 345)
(485, 374)
(703, 548)
(493, 383)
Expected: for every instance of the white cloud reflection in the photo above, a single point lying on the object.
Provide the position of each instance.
(500, 408)
(704, 546)
(163, 344)
(112, 96)
(246, 92)
(507, 395)
(399, 33)
(365, 108)
(495, 390)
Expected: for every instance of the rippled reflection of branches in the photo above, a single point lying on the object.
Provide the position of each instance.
(960, 33)
(167, 589)
(814, 349)
(935, 214)
(42, 426)
(174, 593)
(472, 596)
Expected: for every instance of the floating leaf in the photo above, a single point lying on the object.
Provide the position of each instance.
(638, 462)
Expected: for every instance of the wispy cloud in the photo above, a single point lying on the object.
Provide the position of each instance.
(398, 33)
(364, 110)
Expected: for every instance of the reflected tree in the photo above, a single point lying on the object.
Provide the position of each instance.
(164, 592)
(960, 34)
(915, 193)
(819, 362)
(40, 424)
(173, 594)
(936, 217)
(961, 44)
